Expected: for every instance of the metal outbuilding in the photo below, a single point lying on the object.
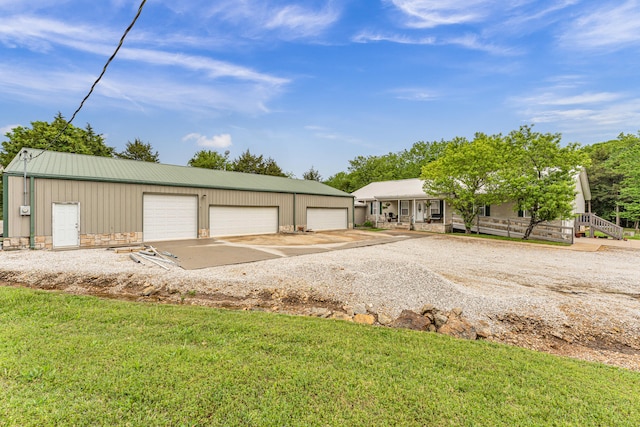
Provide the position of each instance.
(64, 200)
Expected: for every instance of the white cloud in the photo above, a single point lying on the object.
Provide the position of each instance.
(40, 34)
(216, 141)
(414, 94)
(610, 26)
(469, 41)
(140, 91)
(261, 18)
(322, 132)
(213, 68)
(300, 22)
(585, 116)
(7, 128)
(583, 98)
(366, 36)
(433, 13)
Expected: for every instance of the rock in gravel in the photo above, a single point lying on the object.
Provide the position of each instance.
(319, 312)
(359, 309)
(348, 310)
(149, 290)
(483, 330)
(427, 308)
(366, 319)
(459, 328)
(411, 320)
(341, 316)
(384, 319)
(439, 319)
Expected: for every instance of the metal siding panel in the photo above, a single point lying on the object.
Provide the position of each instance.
(117, 207)
(308, 201)
(15, 199)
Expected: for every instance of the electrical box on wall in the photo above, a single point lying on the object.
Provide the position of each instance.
(25, 210)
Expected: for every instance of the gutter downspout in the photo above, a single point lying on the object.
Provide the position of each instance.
(353, 212)
(295, 226)
(5, 206)
(32, 218)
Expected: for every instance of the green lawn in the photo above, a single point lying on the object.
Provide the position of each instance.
(69, 360)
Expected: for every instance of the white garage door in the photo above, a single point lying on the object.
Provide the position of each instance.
(242, 220)
(169, 217)
(326, 219)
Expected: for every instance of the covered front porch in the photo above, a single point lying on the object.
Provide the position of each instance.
(424, 214)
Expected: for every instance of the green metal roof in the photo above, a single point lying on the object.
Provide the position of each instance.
(56, 165)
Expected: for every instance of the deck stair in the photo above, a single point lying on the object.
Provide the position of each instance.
(595, 223)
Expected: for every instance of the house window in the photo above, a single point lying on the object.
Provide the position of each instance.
(373, 208)
(524, 214)
(434, 207)
(404, 207)
(484, 210)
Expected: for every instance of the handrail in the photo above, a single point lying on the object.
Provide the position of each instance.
(596, 223)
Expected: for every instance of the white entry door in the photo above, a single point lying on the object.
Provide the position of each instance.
(66, 225)
(420, 211)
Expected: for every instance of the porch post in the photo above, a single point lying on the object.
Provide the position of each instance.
(399, 212)
(415, 216)
(444, 216)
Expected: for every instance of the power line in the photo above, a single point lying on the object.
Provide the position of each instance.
(104, 70)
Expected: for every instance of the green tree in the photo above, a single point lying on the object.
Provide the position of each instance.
(625, 161)
(604, 179)
(209, 159)
(48, 136)
(466, 175)
(404, 164)
(341, 181)
(367, 169)
(43, 135)
(421, 153)
(312, 175)
(138, 150)
(541, 175)
(250, 163)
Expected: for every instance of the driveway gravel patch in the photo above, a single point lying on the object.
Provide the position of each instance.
(576, 303)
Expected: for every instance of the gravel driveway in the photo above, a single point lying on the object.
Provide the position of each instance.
(582, 304)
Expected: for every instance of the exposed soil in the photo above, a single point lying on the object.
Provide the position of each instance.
(576, 304)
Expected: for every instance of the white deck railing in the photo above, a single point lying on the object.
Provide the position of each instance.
(594, 222)
(516, 227)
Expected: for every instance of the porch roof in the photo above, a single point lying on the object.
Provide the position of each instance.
(392, 190)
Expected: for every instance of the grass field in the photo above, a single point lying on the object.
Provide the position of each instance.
(70, 360)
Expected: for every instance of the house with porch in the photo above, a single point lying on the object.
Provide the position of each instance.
(403, 204)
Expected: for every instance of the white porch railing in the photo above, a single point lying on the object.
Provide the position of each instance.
(516, 227)
(594, 222)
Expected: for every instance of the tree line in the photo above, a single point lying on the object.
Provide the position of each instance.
(531, 168)
(59, 135)
(50, 136)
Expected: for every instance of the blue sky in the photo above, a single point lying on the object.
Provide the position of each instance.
(317, 83)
